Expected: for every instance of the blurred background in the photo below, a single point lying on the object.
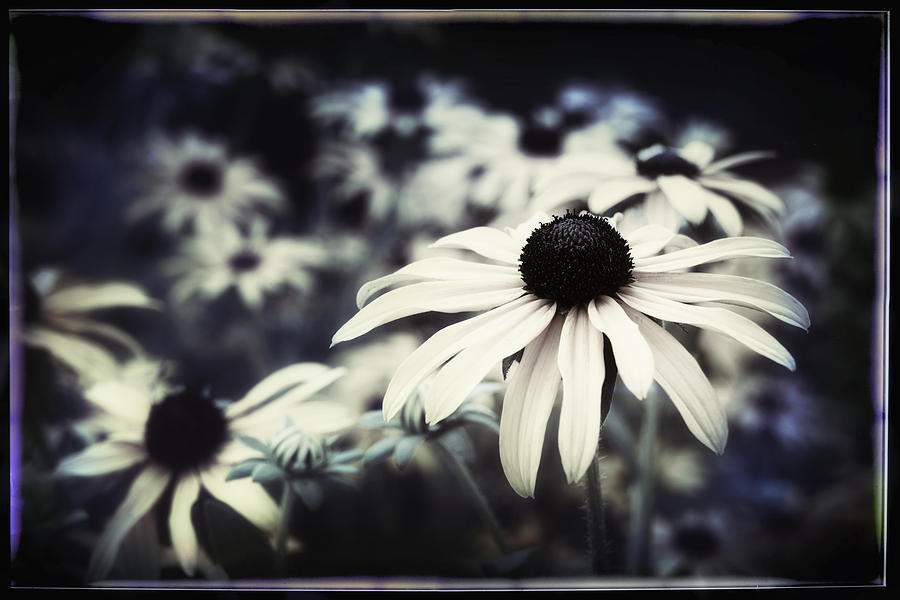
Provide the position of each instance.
(341, 139)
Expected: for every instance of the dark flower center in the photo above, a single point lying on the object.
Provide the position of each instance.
(407, 98)
(185, 430)
(245, 260)
(540, 140)
(574, 259)
(201, 178)
(697, 541)
(658, 160)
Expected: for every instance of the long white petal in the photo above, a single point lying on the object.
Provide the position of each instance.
(440, 268)
(445, 344)
(735, 160)
(90, 361)
(634, 358)
(146, 489)
(82, 298)
(581, 366)
(439, 296)
(613, 191)
(748, 191)
(716, 250)
(731, 289)
(129, 403)
(649, 240)
(686, 195)
(527, 404)
(83, 325)
(726, 214)
(658, 210)
(697, 152)
(486, 241)
(243, 495)
(722, 320)
(313, 416)
(287, 401)
(686, 385)
(102, 458)
(455, 381)
(181, 529)
(277, 382)
(562, 189)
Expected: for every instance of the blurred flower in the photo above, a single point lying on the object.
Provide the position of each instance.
(366, 109)
(682, 180)
(780, 409)
(578, 280)
(179, 438)
(697, 544)
(414, 429)
(255, 265)
(192, 181)
(301, 459)
(58, 319)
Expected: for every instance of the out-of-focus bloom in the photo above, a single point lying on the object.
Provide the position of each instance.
(58, 319)
(300, 459)
(780, 409)
(682, 181)
(179, 437)
(564, 284)
(697, 543)
(255, 265)
(193, 181)
(368, 109)
(414, 429)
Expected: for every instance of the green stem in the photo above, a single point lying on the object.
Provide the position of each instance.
(593, 491)
(284, 520)
(638, 562)
(462, 474)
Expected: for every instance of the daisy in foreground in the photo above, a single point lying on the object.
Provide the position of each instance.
(192, 180)
(678, 184)
(179, 438)
(568, 290)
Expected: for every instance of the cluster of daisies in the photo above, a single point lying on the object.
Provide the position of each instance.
(582, 241)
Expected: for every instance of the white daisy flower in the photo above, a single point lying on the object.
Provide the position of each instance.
(58, 318)
(367, 109)
(255, 264)
(565, 285)
(193, 181)
(681, 182)
(178, 437)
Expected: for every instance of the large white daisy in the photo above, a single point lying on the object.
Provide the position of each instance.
(178, 436)
(193, 181)
(255, 264)
(568, 290)
(681, 182)
(59, 318)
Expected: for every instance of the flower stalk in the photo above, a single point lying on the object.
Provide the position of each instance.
(284, 523)
(461, 472)
(599, 545)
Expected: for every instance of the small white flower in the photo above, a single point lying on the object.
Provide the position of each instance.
(564, 286)
(58, 318)
(256, 265)
(193, 181)
(177, 436)
(684, 182)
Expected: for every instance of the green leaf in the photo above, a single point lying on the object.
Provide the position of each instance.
(242, 469)
(381, 449)
(264, 472)
(254, 443)
(406, 447)
(309, 491)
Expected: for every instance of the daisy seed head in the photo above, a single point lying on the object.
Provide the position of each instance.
(574, 259)
(200, 178)
(245, 260)
(185, 430)
(657, 161)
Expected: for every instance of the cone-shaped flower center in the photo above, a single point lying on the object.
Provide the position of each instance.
(657, 160)
(697, 541)
(540, 140)
(245, 260)
(574, 259)
(201, 178)
(407, 98)
(185, 430)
